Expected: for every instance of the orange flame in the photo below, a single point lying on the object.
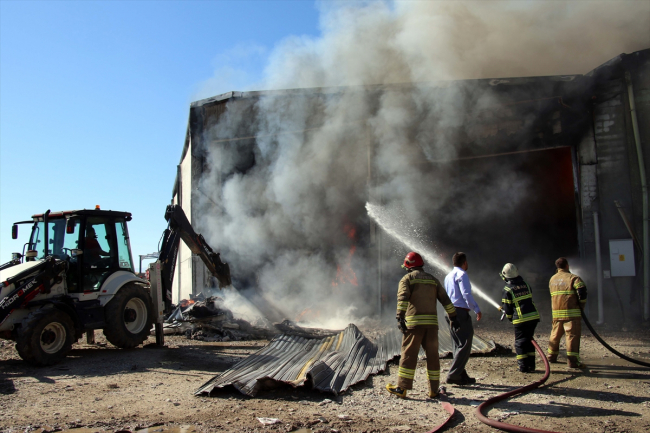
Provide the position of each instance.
(307, 313)
(351, 231)
(346, 274)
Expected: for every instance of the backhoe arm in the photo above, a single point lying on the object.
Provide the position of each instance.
(180, 228)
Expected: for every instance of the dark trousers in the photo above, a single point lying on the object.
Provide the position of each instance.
(462, 342)
(524, 333)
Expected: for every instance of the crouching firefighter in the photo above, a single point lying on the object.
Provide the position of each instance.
(417, 296)
(519, 308)
(568, 298)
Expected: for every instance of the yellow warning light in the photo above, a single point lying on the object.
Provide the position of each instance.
(96, 207)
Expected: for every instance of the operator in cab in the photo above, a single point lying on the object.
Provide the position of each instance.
(92, 250)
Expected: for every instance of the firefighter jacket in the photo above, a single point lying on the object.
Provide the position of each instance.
(417, 296)
(517, 300)
(568, 295)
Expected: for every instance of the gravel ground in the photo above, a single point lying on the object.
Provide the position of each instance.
(100, 388)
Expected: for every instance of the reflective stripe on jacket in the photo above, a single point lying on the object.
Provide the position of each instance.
(517, 302)
(417, 297)
(568, 295)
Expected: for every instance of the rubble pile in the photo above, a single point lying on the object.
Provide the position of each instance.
(208, 319)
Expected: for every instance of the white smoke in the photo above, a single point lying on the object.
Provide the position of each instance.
(288, 222)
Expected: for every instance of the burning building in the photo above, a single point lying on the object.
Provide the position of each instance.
(520, 170)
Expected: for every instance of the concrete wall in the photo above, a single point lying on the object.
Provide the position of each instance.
(183, 275)
(609, 171)
(613, 184)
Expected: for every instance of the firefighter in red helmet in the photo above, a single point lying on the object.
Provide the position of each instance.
(417, 295)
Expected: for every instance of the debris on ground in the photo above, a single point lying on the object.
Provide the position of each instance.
(269, 421)
(208, 319)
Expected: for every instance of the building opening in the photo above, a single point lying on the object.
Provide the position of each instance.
(511, 208)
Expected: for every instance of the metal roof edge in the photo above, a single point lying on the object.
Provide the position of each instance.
(447, 83)
(217, 98)
(621, 59)
(608, 65)
(337, 89)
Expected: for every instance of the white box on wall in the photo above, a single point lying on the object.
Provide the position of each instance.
(621, 257)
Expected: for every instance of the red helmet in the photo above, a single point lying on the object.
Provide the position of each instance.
(413, 260)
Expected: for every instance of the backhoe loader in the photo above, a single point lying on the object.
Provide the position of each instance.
(76, 275)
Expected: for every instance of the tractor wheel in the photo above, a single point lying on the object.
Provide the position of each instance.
(46, 337)
(128, 317)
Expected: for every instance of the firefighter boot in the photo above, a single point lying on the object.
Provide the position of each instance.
(574, 362)
(442, 390)
(552, 358)
(530, 363)
(523, 367)
(401, 393)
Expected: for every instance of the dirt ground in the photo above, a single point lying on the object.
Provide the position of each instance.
(101, 388)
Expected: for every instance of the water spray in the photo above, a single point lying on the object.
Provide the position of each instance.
(387, 223)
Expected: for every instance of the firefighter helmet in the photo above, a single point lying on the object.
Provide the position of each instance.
(510, 271)
(413, 260)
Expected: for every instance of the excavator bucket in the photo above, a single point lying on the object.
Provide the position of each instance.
(221, 271)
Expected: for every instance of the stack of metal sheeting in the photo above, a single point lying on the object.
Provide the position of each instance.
(331, 364)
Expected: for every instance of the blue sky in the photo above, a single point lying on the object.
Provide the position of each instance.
(94, 98)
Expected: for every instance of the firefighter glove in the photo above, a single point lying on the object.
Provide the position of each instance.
(401, 324)
(455, 324)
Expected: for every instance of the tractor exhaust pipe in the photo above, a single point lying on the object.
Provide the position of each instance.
(46, 248)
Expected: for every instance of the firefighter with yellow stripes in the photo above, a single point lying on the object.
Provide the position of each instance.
(568, 298)
(518, 306)
(417, 296)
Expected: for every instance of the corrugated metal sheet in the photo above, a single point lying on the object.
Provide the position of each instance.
(445, 345)
(331, 364)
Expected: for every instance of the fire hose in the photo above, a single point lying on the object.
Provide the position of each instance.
(510, 427)
(514, 428)
(534, 385)
(446, 406)
(610, 348)
(497, 424)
